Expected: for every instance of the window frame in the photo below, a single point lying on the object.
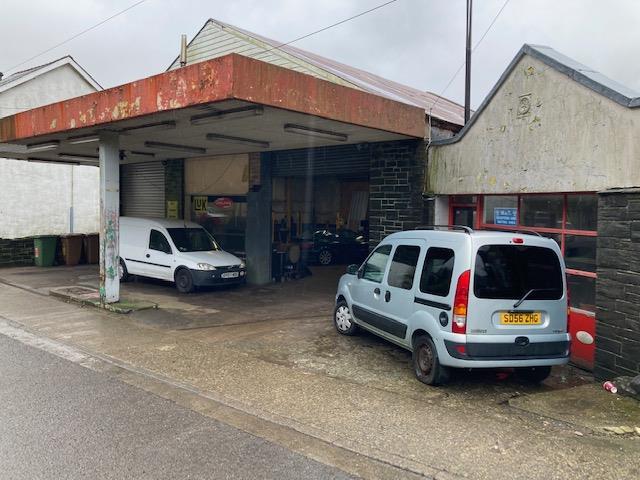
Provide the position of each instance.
(562, 232)
(364, 264)
(415, 270)
(422, 271)
(170, 252)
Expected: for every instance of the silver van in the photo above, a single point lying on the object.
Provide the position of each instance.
(461, 298)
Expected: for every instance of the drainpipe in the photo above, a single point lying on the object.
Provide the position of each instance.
(467, 80)
(71, 206)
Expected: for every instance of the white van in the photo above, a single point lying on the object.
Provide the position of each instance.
(464, 299)
(176, 251)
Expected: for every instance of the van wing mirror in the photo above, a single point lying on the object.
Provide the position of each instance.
(353, 269)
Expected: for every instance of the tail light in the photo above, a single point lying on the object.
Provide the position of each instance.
(460, 303)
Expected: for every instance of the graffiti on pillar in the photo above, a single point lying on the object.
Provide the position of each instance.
(111, 245)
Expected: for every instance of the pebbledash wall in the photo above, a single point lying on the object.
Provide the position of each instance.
(618, 285)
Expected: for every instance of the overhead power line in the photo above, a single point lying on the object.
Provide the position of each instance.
(76, 35)
(331, 26)
(472, 50)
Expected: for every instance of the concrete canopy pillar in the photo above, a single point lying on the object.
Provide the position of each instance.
(109, 156)
(258, 239)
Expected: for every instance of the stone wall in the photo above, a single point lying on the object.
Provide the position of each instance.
(16, 252)
(618, 284)
(396, 186)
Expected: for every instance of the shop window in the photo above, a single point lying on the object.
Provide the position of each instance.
(501, 210)
(403, 266)
(580, 252)
(582, 292)
(582, 212)
(437, 271)
(376, 264)
(541, 210)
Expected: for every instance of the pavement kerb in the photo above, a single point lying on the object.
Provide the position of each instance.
(314, 443)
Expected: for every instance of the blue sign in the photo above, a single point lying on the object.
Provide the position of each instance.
(505, 216)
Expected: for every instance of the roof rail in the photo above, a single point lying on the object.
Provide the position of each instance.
(519, 230)
(449, 227)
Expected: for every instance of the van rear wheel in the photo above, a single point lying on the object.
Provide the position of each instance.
(184, 281)
(533, 374)
(426, 364)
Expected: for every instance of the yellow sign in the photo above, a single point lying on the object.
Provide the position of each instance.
(172, 209)
(200, 204)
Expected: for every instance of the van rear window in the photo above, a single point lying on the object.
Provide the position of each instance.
(510, 271)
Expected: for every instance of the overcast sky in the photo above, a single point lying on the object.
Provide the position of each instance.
(416, 42)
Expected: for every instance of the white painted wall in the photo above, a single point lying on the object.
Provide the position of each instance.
(572, 139)
(36, 198)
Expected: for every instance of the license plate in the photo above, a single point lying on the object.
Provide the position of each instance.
(230, 275)
(520, 318)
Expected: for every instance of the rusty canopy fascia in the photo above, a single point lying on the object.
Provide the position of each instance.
(230, 77)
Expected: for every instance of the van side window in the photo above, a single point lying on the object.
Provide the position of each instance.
(403, 266)
(437, 271)
(374, 267)
(157, 241)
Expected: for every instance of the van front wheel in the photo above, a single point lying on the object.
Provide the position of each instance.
(184, 281)
(426, 364)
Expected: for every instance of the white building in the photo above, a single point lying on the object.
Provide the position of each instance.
(44, 198)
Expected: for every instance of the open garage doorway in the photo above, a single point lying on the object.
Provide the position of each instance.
(320, 200)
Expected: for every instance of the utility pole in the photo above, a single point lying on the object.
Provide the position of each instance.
(467, 79)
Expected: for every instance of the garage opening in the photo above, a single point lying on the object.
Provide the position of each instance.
(320, 200)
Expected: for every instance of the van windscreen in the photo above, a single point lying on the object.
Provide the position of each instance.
(192, 240)
(510, 271)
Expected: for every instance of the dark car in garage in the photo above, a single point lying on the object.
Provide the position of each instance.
(325, 247)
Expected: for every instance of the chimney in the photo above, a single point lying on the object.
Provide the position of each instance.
(183, 50)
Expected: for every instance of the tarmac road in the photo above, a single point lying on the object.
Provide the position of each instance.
(59, 420)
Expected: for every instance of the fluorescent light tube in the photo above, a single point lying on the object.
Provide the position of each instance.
(142, 154)
(234, 113)
(175, 148)
(214, 137)
(43, 147)
(83, 139)
(72, 157)
(315, 132)
(159, 126)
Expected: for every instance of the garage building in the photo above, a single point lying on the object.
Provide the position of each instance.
(555, 148)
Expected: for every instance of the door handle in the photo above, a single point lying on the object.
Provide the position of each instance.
(376, 291)
(148, 255)
(387, 296)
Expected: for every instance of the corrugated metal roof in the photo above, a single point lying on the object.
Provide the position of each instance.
(440, 107)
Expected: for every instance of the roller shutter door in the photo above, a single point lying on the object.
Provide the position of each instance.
(342, 161)
(142, 190)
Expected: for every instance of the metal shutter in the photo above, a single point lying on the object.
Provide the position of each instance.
(344, 160)
(142, 190)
